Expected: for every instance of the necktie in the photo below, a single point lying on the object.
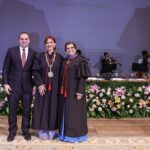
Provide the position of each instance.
(23, 57)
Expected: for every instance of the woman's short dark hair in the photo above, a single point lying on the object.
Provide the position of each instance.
(70, 42)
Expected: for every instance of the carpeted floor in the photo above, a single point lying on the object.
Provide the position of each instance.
(104, 134)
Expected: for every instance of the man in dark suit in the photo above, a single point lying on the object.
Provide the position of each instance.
(18, 83)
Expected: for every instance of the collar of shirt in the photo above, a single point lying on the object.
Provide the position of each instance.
(26, 51)
(72, 56)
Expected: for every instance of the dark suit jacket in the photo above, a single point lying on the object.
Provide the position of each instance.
(14, 74)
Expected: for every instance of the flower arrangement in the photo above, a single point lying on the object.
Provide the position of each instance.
(3, 102)
(4, 109)
(107, 99)
(111, 99)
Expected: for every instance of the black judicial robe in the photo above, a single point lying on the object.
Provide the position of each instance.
(75, 122)
(46, 107)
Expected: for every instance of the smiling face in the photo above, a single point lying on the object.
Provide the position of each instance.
(70, 49)
(50, 45)
(24, 40)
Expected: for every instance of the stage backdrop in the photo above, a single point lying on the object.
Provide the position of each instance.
(121, 27)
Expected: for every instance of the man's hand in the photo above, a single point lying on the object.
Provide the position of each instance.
(42, 90)
(7, 88)
(79, 96)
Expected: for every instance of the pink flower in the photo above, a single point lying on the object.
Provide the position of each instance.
(119, 92)
(147, 90)
(94, 88)
(113, 108)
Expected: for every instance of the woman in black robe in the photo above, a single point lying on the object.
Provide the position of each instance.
(73, 126)
(47, 79)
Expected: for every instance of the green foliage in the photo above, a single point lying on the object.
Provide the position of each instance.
(118, 99)
(107, 99)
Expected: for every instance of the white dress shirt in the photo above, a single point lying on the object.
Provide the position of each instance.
(26, 51)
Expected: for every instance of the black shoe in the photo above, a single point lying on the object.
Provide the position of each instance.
(11, 137)
(27, 136)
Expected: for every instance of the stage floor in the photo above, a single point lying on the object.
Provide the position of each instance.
(104, 134)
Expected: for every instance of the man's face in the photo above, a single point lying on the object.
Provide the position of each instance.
(24, 40)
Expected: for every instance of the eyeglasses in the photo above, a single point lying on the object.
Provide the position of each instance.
(24, 39)
(70, 47)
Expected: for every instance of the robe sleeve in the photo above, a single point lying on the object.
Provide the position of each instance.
(36, 74)
(61, 71)
(82, 74)
(83, 70)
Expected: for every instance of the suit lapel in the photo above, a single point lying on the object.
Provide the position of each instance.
(28, 58)
(19, 56)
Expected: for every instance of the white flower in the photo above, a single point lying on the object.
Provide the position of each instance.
(91, 109)
(97, 98)
(88, 91)
(5, 99)
(91, 95)
(131, 100)
(109, 89)
(139, 89)
(123, 97)
(143, 87)
(131, 111)
(147, 89)
(103, 105)
(149, 97)
(94, 106)
(87, 100)
(108, 93)
(118, 106)
(104, 100)
(99, 108)
(101, 94)
(137, 95)
(103, 90)
(1, 89)
(122, 103)
(94, 100)
(123, 87)
(148, 109)
(129, 94)
(128, 106)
